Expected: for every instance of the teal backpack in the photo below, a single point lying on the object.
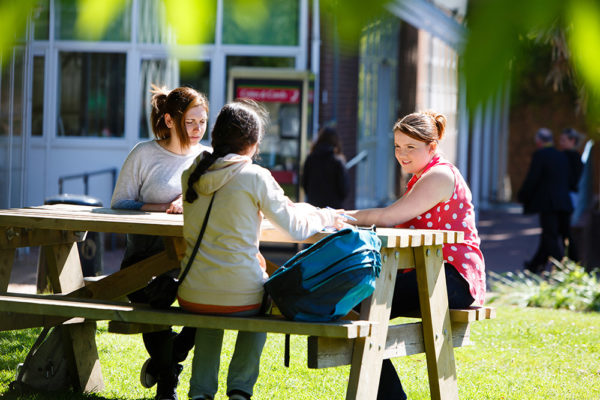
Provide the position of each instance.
(328, 279)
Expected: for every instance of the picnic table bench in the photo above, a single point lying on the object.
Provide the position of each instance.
(362, 341)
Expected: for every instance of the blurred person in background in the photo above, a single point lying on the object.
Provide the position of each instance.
(325, 178)
(545, 191)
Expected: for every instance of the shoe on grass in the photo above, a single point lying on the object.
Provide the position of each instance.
(166, 383)
(148, 374)
(238, 395)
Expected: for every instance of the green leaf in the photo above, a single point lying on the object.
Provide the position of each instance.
(494, 43)
(192, 20)
(94, 17)
(14, 19)
(584, 40)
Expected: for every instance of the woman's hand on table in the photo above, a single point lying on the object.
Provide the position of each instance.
(341, 219)
(176, 206)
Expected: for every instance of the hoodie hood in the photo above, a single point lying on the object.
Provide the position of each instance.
(222, 171)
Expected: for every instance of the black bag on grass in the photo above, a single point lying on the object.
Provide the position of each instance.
(46, 367)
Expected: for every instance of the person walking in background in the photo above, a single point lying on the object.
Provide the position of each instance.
(568, 143)
(150, 180)
(545, 191)
(437, 197)
(228, 272)
(324, 177)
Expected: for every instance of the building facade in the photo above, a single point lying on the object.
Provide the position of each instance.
(70, 106)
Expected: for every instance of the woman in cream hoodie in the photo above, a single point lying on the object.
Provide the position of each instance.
(228, 272)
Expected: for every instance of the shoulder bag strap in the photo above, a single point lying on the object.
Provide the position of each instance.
(189, 263)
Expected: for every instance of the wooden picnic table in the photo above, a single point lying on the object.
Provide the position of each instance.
(367, 341)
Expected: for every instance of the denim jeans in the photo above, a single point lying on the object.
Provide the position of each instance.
(243, 368)
(406, 301)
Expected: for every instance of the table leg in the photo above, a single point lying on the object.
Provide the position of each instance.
(64, 270)
(85, 356)
(7, 259)
(437, 332)
(368, 352)
(64, 267)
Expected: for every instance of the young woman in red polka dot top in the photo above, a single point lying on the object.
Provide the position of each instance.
(437, 197)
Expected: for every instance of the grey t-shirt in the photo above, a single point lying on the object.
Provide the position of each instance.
(151, 174)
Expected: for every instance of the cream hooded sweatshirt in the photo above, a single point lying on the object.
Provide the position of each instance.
(226, 270)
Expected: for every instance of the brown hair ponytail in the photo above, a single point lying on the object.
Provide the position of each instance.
(157, 120)
(426, 126)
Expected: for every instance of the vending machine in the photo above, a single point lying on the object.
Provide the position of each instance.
(287, 95)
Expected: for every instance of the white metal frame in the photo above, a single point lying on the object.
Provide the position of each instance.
(215, 53)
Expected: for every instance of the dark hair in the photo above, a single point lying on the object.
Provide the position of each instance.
(425, 126)
(328, 137)
(175, 103)
(239, 125)
(572, 134)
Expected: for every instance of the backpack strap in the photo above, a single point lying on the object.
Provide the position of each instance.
(286, 351)
(200, 235)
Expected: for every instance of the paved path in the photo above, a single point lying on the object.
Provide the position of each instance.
(508, 238)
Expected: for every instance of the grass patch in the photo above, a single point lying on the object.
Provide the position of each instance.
(525, 353)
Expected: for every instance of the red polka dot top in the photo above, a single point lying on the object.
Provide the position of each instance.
(456, 214)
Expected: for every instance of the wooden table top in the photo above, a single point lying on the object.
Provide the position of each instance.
(99, 219)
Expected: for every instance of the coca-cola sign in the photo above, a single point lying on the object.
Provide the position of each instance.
(269, 94)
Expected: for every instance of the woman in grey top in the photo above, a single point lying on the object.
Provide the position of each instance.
(150, 180)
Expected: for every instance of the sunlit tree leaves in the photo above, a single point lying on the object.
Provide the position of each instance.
(14, 21)
(192, 20)
(496, 44)
(94, 17)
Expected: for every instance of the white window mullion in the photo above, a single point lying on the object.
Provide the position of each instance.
(218, 79)
(132, 100)
(303, 36)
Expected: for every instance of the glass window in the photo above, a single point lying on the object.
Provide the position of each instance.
(195, 74)
(264, 22)
(5, 84)
(153, 26)
(41, 20)
(11, 125)
(37, 100)
(160, 72)
(91, 94)
(249, 61)
(18, 92)
(65, 11)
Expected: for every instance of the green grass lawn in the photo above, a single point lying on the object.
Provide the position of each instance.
(529, 353)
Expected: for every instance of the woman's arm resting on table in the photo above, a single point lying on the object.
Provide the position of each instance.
(435, 186)
(174, 207)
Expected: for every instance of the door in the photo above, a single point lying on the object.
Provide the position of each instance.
(376, 175)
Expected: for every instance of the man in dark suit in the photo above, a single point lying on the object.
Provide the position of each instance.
(546, 191)
(568, 142)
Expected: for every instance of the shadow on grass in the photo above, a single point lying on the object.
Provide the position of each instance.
(14, 346)
(62, 395)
